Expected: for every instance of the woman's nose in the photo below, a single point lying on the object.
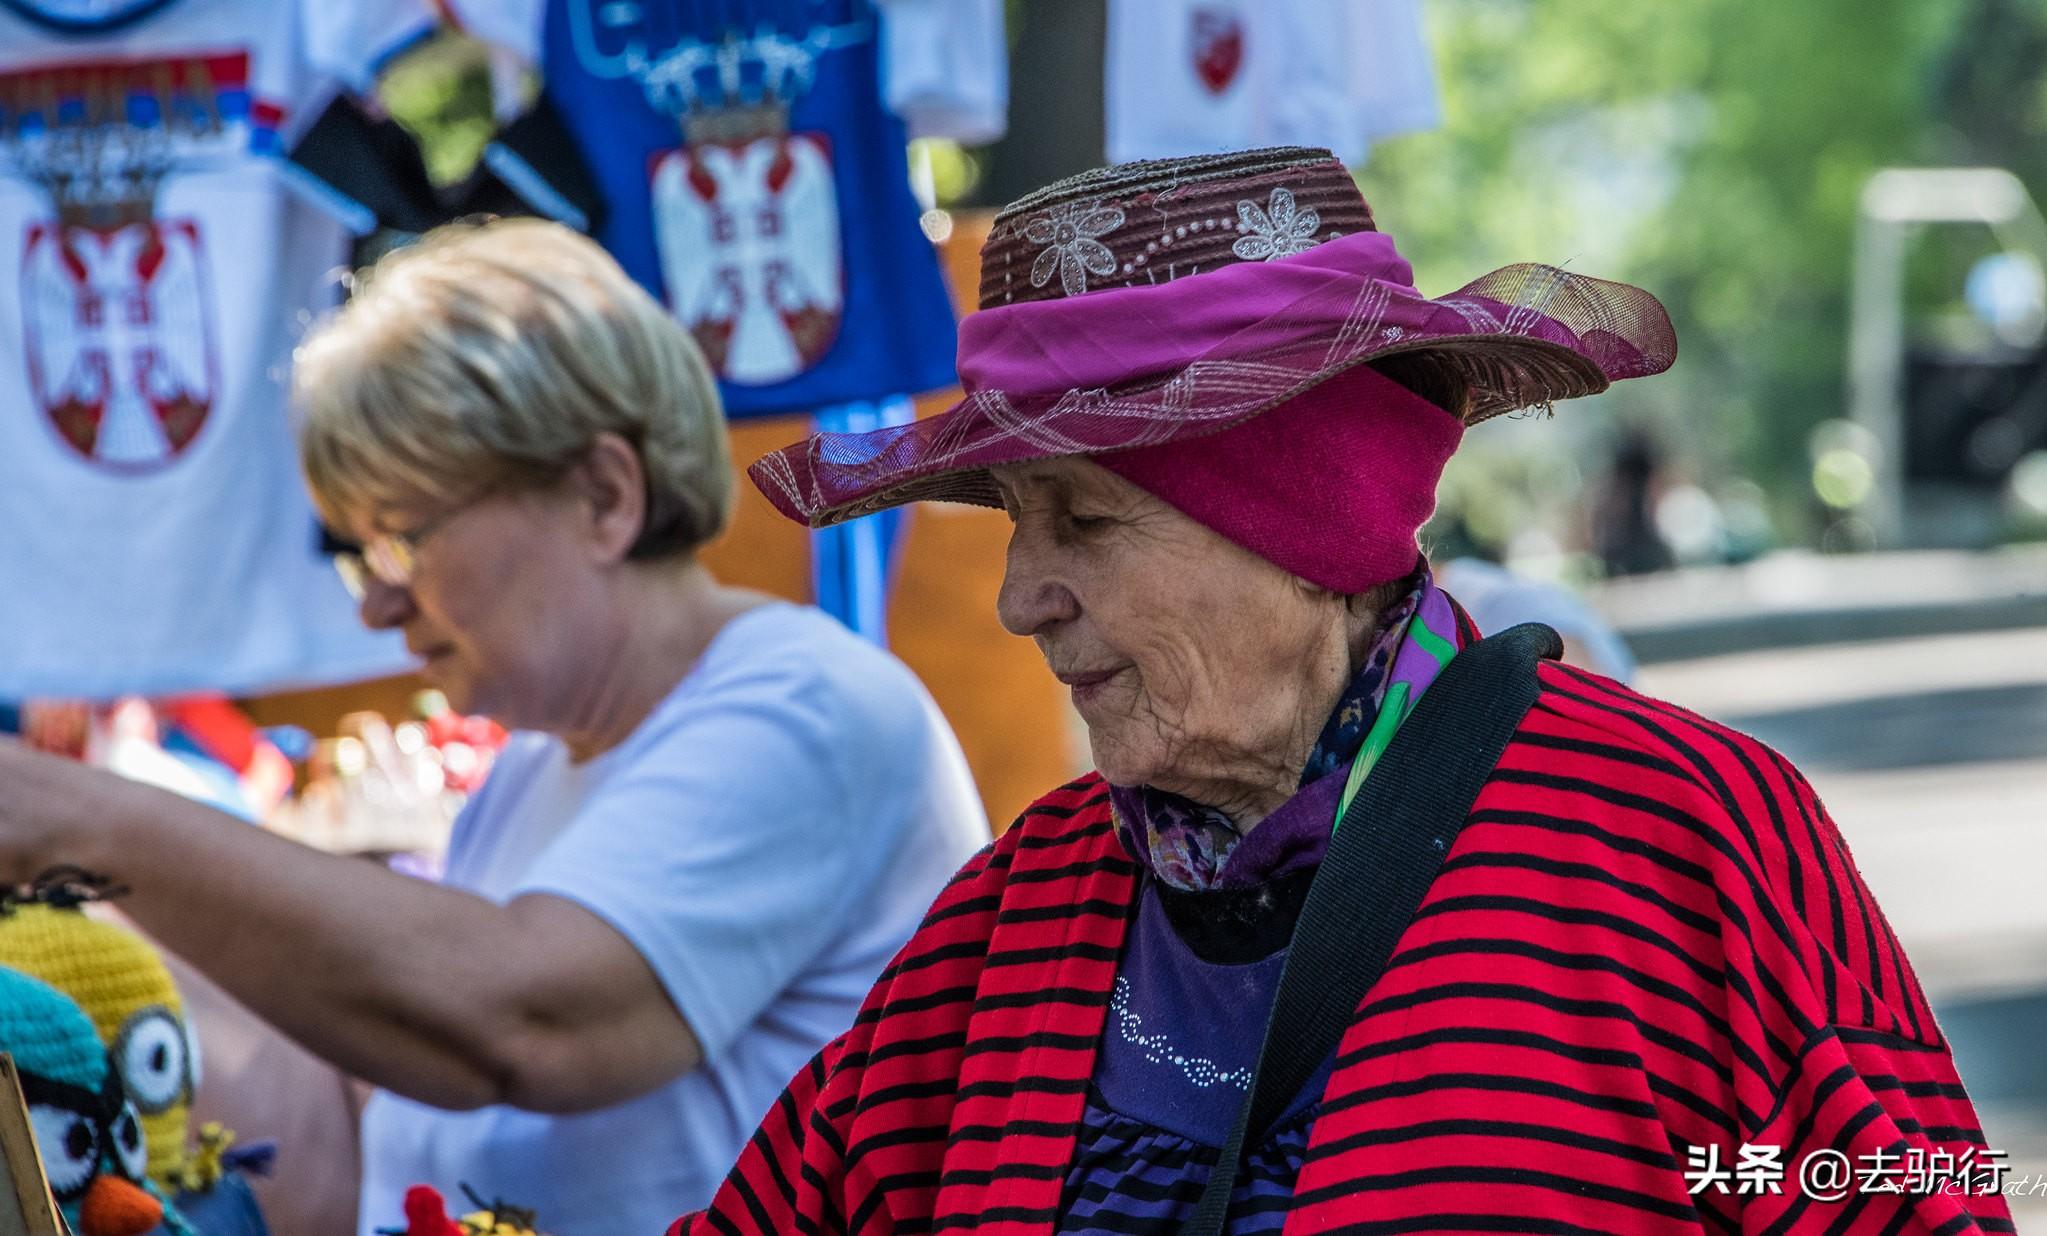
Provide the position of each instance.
(385, 606)
(1035, 593)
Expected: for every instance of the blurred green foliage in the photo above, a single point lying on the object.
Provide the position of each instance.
(1712, 151)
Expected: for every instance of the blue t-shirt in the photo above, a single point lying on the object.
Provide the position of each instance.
(753, 178)
(766, 839)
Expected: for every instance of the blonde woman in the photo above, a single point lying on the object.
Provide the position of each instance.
(720, 815)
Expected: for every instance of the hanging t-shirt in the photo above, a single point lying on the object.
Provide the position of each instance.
(1201, 76)
(159, 270)
(945, 67)
(754, 176)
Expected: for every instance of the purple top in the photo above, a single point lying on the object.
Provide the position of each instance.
(1184, 1032)
(1176, 1062)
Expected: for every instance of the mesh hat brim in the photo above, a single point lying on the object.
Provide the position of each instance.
(1523, 336)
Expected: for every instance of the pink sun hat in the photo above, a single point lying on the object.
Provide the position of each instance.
(1144, 314)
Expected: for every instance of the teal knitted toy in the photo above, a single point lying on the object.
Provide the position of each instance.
(86, 1129)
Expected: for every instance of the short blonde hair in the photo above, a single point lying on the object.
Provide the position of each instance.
(495, 354)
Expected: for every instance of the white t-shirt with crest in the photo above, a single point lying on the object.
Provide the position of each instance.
(163, 257)
(1205, 76)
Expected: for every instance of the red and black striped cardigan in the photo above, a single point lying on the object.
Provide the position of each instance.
(1648, 937)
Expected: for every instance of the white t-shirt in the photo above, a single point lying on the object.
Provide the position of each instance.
(945, 67)
(767, 839)
(160, 268)
(1204, 76)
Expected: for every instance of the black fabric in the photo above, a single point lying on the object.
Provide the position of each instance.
(1237, 926)
(103, 1105)
(373, 161)
(1385, 853)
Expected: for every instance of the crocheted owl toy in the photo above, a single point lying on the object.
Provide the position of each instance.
(119, 979)
(86, 1130)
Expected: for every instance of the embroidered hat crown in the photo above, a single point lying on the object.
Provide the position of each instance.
(1152, 222)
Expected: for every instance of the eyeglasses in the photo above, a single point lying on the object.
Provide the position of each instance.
(390, 558)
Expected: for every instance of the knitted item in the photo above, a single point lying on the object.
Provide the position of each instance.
(110, 1210)
(426, 1214)
(120, 981)
(86, 1130)
(216, 1154)
(1368, 449)
(497, 1223)
(47, 1033)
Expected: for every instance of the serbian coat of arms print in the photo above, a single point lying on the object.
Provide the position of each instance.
(745, 211)
(749, 239)
(117, 313)
(119, 338)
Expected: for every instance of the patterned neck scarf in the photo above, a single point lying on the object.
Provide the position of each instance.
(1188, 845)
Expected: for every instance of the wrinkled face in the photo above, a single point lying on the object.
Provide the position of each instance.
(1198, 667)
(503, 606)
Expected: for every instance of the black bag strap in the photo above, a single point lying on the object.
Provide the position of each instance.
(1381, 861)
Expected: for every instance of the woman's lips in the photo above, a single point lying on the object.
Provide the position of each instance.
(1085, 686)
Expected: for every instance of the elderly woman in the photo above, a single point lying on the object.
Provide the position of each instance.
(719, 818)
(1597, 998)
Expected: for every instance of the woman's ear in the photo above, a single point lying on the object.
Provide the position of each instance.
(1366, 610)
(611, 488)
(1374, 601)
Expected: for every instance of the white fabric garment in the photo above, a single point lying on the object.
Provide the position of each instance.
(767, 839)
(945, 63)
(1204, 76)
(160, 269)
(946, 67)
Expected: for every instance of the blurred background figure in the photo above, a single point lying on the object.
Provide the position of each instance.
(1497, 598)
(1624, 511)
